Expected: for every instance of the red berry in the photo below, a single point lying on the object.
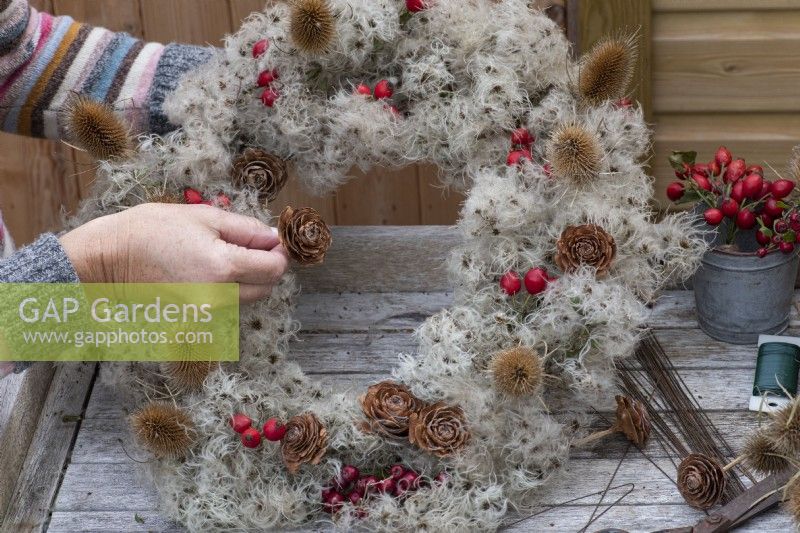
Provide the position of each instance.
(386, 486)
(735, 171)
(442, 478)
(787, 247)
(751, 185)
(745, 219)
(713, 216)
(736, 192)
(730, 208)
(266, 77)
(723, 156)
(765, 187)
(383, 90)
(260, 48)
(766, 219)
(701, 168)
(781, 188)
(397, 471)
(274, 430)
(355, 497)
(363, 89)
(762, 238)
(675, 191)
(762, 252)
(251, 438)
(334, 503)
(623, 103)
(510, 283)
(349, 474)
(415, 6)
(366, 484)
(781, 226)
(536, 281)
(269, 96)
(327, 493)
(192, 196)
(522, 137)
(755, 169)
(394, 110)
(702, 181)
(515, 157)
(772, 209)
(240, 422)
(714, 168)
(409, 481)
(222, 201)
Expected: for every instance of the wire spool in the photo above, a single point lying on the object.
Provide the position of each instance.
(777, 367)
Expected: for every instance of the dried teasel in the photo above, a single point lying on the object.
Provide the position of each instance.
(575, 153)
(791, 499)
(762, 455)
(312, 25)
(163, 429)
(304, 234)
(784, 430)
(162, 196)
(517, 371)
(93, 126)
(188, 376)
(701, 481)
(632, 420)
(607, 69)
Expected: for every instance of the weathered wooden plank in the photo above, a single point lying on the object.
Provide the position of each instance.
(383, 259)
(437, 205)
(394, 198)
(38, 482)
(105, 521)
(191, 21)
(24, 393)
(755, 25)
(722, 5)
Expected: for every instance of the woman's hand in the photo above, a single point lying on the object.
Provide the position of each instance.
(154, 243)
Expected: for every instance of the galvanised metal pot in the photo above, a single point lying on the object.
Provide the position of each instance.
(738, 295)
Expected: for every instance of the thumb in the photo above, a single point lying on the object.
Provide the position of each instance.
(244, 231)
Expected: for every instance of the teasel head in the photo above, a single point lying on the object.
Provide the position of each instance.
(791, 499)
(94, 127)
(163, 429)
(575, 153)
(784, 430)
(607, 69)
(188, 376)
(517, 371)
(312, 25)
(157, 195)
(762, 455)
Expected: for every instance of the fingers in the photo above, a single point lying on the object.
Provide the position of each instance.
(252, 293)
(242, 230)
(258, 267)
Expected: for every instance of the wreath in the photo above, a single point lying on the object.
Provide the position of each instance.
(550, 154)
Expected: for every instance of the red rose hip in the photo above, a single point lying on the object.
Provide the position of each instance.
(752, 185)
(266, 77)
(786, 247)
(730, 208)
(363, 89)
(515, 157)
(762, 238)
(383, 90)
(522, 137)
(269, 97)
(192, 196)
(415, 6)
(240, 422)
(510, 283)
(723, 156)
(260, 48)
(745, 219)
(713, 216)
(536, 281)
(274, 430)
(702, 181)
(735, 171)
(781, 188)
(675, 191)
(251, 438)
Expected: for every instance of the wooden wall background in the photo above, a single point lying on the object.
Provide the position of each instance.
(725, 72)
(41, 180)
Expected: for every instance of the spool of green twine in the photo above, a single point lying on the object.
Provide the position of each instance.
(776, 371)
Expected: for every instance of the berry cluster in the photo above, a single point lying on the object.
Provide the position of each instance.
(242, 424)
(193, 196)
(416, 6)
(267, 77)
(536, 281)
(521, 142)
(383, 91)
(354, 487)
(731, 189)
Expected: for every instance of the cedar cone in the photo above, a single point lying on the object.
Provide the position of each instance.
(306, 441)
(633, 420)
(439, 429)
(304, 234)
(588, 244)
(701, 481)
(388, 406)
(265, 172)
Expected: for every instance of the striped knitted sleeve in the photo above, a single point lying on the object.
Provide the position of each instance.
(44, 59)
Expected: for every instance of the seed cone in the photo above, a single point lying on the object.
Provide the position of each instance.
(188, 376)
(586, 245)
(607, 70)
(304, 234)
(164, 429)
(632, 420)
(264, 172)
(387, 407)
(306, 441)
(784, 430)
(313, 25)
(94, 127)
(517, 371)
(575, 153)
(761, 455)
(701, 481)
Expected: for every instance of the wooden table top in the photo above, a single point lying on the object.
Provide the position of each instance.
(76, 476)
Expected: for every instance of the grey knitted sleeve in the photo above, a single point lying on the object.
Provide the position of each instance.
(44, 261)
